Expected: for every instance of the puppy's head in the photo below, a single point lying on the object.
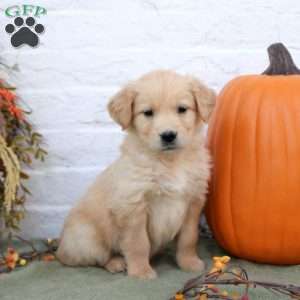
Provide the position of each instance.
(164, 109)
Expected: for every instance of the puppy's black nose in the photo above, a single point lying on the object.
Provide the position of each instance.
(168, 136)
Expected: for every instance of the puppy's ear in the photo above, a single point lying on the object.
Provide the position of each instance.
(205, 98)
(120, 106)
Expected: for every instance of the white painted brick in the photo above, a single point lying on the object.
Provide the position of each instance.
(291, 7)
(289, 32)
(94, 68)
(164, 30)
(44, 222)
(60, 186)
(125, 6)
(175, 30)
(91, 48)
(81, 148)
(70, 108)
(81, 5)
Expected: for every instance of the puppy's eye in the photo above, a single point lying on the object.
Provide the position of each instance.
(148, 113)
(181, 109)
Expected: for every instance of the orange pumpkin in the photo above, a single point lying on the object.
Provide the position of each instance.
(254, 137)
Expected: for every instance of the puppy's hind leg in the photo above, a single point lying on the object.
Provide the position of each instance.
(116, 264)
(80, 245)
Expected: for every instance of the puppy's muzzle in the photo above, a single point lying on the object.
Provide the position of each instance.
(168, 138)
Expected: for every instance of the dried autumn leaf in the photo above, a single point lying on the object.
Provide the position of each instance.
(11, 258)
(224, 293)
(215, 290)
(235, 295)
(2, 125)
(25, 143)
(179, 296)
(219, 264)
(203, 297)
(24, 175)
(48, 257)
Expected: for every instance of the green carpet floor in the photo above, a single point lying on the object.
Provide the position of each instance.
(51, 281)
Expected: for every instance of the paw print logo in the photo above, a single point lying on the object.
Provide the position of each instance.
(24, 33)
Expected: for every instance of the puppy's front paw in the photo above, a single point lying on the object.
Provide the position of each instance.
(191, 263)
(142, 273)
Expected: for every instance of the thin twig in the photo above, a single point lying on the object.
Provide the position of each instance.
(206, 284)
(26, 242)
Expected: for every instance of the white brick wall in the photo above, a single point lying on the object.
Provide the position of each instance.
(90, 48)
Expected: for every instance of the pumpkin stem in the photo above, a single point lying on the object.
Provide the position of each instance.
(281, 62)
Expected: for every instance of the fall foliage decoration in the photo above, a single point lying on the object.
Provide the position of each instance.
(13, 259)
(253, 206)
(210, 285)
(19, 146)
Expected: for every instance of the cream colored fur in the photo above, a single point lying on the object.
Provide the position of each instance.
(150, 195)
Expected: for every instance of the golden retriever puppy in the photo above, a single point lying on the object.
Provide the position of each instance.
(155, 191)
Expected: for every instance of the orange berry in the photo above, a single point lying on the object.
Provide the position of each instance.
(179, 296)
